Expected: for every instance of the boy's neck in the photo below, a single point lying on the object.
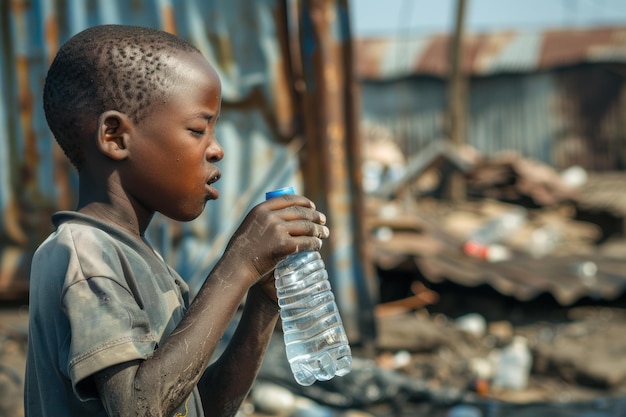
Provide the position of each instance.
(110, 214)
(113, 206)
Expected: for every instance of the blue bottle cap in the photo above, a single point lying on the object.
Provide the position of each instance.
(279, 192)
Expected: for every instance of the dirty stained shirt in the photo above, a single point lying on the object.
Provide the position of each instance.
(98, 297)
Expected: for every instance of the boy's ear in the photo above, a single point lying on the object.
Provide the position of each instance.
(113, 134)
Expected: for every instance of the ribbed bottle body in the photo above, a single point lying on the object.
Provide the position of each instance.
(315, 341)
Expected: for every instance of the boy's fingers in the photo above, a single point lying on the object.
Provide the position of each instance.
(309, 243)
(307, 228)
(288, 200)
(296, 213)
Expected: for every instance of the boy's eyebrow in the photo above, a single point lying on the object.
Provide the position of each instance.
(202, 115)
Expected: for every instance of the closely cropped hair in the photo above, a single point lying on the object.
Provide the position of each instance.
(110, 67)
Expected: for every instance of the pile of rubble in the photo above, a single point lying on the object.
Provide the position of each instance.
(530, 254)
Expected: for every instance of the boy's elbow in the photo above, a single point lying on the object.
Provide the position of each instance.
(123, 396)
(123, 404)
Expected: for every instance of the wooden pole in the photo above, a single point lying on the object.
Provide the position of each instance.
(457, 97)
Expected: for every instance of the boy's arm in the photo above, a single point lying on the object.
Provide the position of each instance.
(158, 385)
(226, 382)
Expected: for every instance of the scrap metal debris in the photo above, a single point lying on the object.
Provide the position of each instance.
(550, 249)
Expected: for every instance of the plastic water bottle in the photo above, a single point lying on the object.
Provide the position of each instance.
(315, 341)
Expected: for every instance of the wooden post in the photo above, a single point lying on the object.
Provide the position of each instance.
(457, 98)
(331, 161)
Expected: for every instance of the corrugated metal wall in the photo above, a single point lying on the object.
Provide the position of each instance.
(36, 180)
(563, 117)
(256, 47)
(554, 95)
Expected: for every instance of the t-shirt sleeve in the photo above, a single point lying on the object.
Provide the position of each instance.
(108, 327)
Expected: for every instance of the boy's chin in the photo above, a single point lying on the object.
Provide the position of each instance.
(185, 216)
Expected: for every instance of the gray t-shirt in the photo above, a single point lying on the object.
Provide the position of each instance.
(98, 297)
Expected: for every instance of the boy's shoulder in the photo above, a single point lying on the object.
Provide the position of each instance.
(81, 232)
(88, 246)
(97, 247)
(82, 248)
(82, 228)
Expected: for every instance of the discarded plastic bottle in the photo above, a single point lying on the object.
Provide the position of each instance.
(500, 228)
(315, 340)
(514, 364)
(484, 242)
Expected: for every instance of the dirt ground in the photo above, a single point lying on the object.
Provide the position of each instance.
(13, 327)
(578, 353)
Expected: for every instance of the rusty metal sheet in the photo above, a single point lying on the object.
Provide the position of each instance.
(526, 278)
(604, 191)
(437, 256)
(331, 163)
(257, 56)
(490, 53)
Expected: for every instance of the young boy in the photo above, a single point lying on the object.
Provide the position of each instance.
(112, 331)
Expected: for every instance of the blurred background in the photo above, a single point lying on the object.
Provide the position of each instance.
(469, 155)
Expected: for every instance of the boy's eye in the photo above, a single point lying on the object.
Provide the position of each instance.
(196, 132)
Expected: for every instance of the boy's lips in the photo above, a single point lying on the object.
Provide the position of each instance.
(214, 178)
(212, 191)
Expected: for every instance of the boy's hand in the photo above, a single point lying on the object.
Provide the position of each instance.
(273, 230)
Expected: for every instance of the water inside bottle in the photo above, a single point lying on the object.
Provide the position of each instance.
(329, 323)
(308, 369)
(290, 297)
(296, 261)
(304, 307)
(315, 341)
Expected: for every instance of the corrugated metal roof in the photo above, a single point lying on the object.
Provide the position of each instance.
(518, 53)
(526, 278)
(489, 53)
(574, 271)
(604, 191)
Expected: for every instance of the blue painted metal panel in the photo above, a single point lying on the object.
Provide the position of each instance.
(32, 34)
(239, 36)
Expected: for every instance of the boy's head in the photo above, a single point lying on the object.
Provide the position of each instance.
(110, 67)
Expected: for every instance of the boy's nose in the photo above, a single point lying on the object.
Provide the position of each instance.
(215, 152)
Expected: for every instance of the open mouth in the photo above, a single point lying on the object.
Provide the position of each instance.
(214, 178)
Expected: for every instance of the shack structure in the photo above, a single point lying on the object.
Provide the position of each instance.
(539, 104)
(557, 96)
